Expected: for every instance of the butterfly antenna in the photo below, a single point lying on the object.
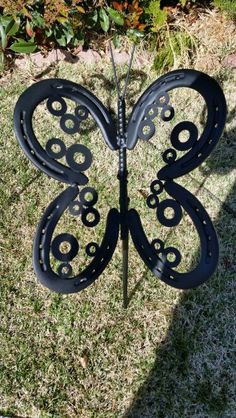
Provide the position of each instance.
(115, 73)
(114, 69)
(128, 72)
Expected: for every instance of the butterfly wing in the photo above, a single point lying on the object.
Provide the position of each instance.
(181, 158)
(62, 280)
(54, 121)
(54, 92)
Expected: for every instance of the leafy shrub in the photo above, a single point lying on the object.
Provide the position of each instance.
(28, 25)
(227, 6)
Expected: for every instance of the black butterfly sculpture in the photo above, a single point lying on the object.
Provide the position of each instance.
(79, 198)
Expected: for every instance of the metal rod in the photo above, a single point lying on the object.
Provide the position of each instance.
(115, 73)
(125, 267)
(124, 201)
(123, 174)
(114, 69)
(128, 72)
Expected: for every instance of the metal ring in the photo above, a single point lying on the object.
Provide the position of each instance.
(83, 199)
(169, 203)
(159, 96)
(164, 110)
(82, 116)
(75, 208)
(160, 243)
(153, 189)
(62, 266)
(53, 154)
(193, 135)
(169, 156)
(74, 128)
(177, 254)
(150, 199)
(154, 109)
(83, 150)
(91, 249)
(146, 123)
(55, 247)
(87, 212)
(56, 112)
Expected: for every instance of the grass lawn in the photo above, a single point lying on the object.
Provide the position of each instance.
(170, 354)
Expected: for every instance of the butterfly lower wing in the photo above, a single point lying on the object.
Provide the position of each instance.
(60, 278)
(164, 269)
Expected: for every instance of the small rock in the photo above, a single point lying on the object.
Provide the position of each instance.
(230, 61)
(121, 57)
(89, 56)
(84, 361)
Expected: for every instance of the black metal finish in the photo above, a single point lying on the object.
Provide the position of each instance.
(80, 202)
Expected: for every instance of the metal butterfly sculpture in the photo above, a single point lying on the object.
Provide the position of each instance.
(80, 199)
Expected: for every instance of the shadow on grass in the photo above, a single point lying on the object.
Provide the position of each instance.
(193, 372)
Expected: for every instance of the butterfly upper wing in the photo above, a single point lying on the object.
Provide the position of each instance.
(73, 210)
(199, 149)
(56, 90)
(154, 101)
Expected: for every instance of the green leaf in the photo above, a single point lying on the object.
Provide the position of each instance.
(116, 41)
(59, 36)
(63, 34)
(5, 20)
(116, 16)
(104, 20)
(23, 47)
(80, 38)
(13, 27)
(68, 31)
(3, 37)
(92, 18)
(158, 15)
(38, 20)
(2, 61)
(135, 35)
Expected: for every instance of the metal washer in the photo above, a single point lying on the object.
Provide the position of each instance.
(72, 208)
(150, 133)
(160, 243)
(153, 184)
(89, 247)
(72, 150)
(166, 108)
(83, 193)
(53, 154)
(55, 247)
(177, 254)
(193, 135)
(169, 155)
(149, 201)
(60, 270)
(169, 203)
(74, 128)
(85, 113)
(56, 112)
(86, 212)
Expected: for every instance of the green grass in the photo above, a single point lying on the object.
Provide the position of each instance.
(170, 354)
